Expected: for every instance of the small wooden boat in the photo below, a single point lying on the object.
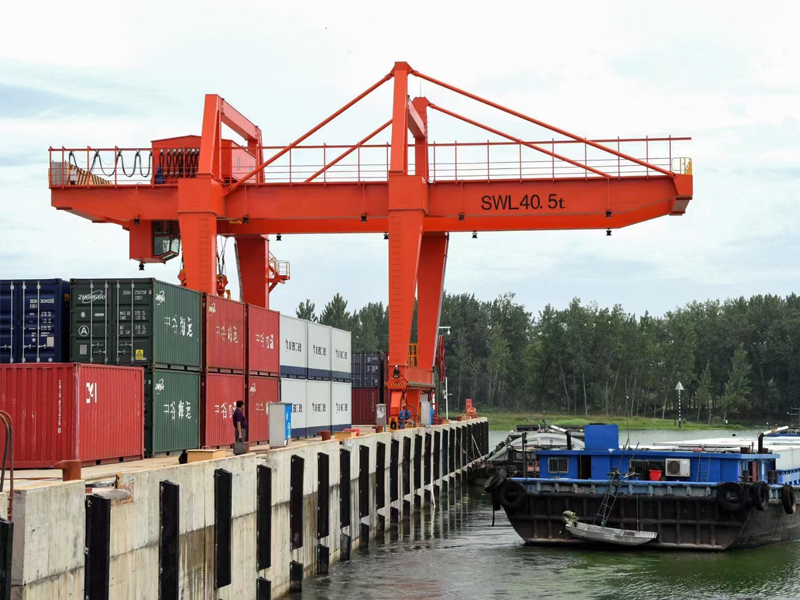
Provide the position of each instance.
(606, 535)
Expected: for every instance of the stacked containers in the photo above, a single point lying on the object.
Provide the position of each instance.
(263, 369)
(369, 375)
(318, 386)
(224, 363)
(294, 370)
(152, 324)
(34, 321)
(341, 384)
(68, 411)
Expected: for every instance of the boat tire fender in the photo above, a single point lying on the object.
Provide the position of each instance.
(731, 496)
(789, 500)
(495, 480)
(761, 495)
(512, 495)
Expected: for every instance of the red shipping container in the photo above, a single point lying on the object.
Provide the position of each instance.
(364, 401)
(224, 338)
(263, 335)
(68, 411)
(220, 393)
(260, 392)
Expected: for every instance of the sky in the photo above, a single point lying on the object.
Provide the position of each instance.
(727, 74)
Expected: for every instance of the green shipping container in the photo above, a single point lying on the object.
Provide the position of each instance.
(138, 322)
(171, 411)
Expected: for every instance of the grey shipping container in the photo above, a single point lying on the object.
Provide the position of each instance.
(135, 322)
(171, 411)
(368, 369)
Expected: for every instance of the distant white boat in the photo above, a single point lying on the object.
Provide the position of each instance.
(606, 535)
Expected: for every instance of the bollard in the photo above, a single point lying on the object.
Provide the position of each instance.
(325, 435)
(70, 470)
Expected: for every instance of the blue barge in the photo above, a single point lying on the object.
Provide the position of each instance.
(694, 498)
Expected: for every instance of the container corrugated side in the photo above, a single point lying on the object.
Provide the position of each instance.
(64, 411)
(294, 347)
(293, 391)
(136, 322)
(364, 401)
(341, 405)
(34, 321)
(263, 341)
(341, 366)
(261, 391)
(172, 411)
(319, 351)
(225, 341)
(318, 400)
(221, 392)
(368, 369)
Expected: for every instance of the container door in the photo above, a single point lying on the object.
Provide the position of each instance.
(178, 326)
(172, 411)
(92, 338)
(43, 316)
(9, 318)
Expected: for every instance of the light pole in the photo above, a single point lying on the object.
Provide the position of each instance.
(679, 389)
(446, 394)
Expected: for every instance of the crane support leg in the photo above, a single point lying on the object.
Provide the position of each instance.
(254, 266)
(199, 245)
(432, 263)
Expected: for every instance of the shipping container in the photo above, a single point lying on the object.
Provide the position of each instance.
(341, 405)
(263, 341)
(68, 411)
(34, 321)
(369, 369)
(319, 351)
(140, 322)
(261, 391)
(220, 393)
(341, 367)
(293, 391)
(172, 411)
(364, 402)
(318, 401)
(225, 342)
(294, 347)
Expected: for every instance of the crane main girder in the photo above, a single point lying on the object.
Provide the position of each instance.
(417, 207)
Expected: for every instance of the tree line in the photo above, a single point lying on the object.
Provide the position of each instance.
(734, 357)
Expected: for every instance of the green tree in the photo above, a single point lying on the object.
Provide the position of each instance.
(306, 310)
(704, 397)
(738, 385)
(335, 313)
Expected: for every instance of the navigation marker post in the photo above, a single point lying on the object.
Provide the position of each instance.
(679, 389)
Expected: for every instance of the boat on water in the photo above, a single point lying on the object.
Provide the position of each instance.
(516, 455)
(718, 494)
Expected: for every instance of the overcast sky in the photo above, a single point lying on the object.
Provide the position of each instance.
(727, 74)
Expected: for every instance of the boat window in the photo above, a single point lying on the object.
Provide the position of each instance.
(558, 464)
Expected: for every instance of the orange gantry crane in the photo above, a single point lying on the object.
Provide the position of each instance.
(181, 193)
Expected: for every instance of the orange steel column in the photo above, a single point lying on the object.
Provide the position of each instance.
(199, 245)
(432, 265)
(254, 268)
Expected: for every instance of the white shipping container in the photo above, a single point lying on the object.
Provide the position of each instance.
(318, 403)
(319, 351)
(341, 365)
(293, 391)
(341, 407)
(294, 347)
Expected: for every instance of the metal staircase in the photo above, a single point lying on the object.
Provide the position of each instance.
(607, 505)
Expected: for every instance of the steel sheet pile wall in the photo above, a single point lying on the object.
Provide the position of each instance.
(67, 411)
(220, 393)
(34, 321)
(260, 392)
(369, 374)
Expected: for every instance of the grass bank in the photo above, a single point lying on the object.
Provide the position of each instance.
(501, 420)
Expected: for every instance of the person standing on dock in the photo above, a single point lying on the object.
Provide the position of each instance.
(239, 421)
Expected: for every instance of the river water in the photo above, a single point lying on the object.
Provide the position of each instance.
(454, 552)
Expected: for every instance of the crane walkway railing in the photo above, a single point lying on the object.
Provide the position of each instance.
(367, 163)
